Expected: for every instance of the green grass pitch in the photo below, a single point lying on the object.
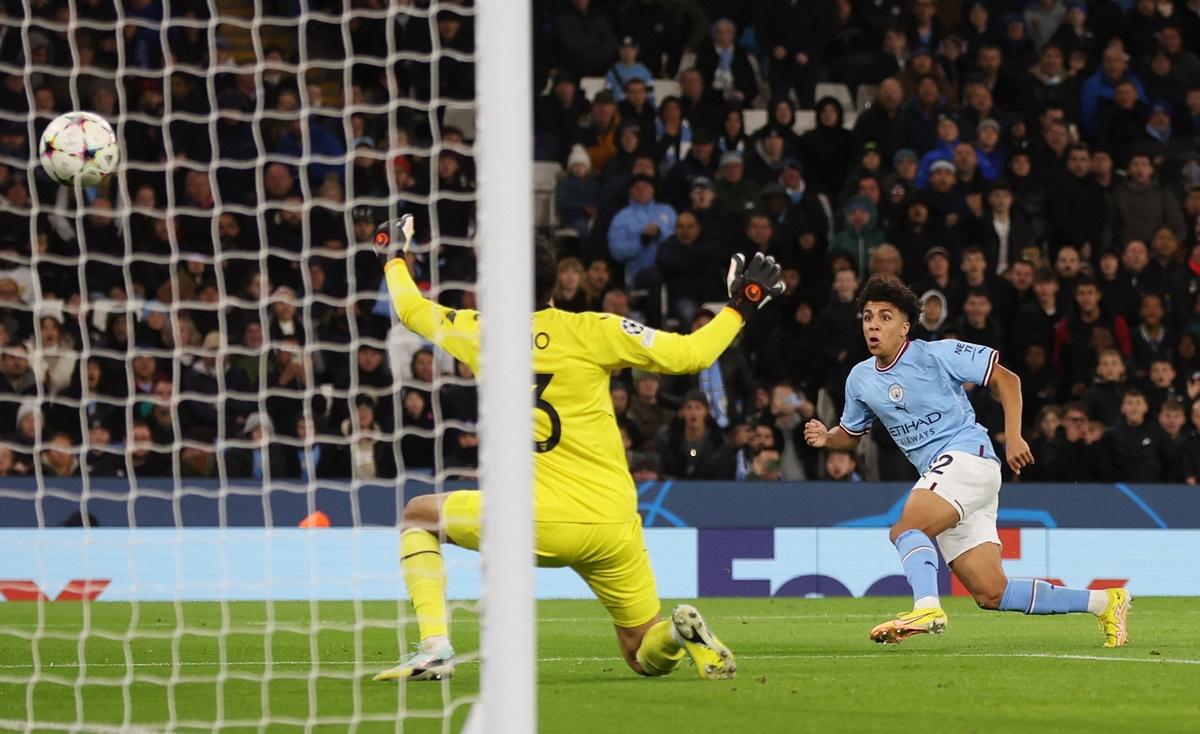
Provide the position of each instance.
(803, 665)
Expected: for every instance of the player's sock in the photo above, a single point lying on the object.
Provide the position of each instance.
(1034, 596)
(425, 577)
(920, 561)
(660, 652)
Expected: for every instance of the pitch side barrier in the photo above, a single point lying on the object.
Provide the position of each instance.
(702, 505)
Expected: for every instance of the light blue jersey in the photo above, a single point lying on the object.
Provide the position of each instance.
(919, 399)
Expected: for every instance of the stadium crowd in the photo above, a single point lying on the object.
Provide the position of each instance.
(1031, 169)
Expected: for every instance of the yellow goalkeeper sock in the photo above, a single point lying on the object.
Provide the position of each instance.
(425, 577)
(659, 653)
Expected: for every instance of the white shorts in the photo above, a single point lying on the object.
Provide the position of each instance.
(972, 485)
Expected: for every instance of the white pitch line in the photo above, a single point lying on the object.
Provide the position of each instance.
(380, 622)
(598, 659)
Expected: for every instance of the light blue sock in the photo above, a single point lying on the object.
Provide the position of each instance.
(1034, 596)
(920, 561)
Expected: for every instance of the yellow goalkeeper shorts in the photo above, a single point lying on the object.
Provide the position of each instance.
(611, 558)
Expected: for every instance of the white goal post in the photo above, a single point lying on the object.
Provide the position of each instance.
(504, 95)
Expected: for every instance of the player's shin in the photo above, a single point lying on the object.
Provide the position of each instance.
(660, 652)
(920, 561)
(1034, 596)
(425, 578)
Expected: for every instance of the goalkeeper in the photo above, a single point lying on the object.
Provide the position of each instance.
(585, 502)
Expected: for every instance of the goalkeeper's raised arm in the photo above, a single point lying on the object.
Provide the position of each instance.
(456, 331)
(615, 342)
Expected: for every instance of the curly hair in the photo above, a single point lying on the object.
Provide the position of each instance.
(889, 289)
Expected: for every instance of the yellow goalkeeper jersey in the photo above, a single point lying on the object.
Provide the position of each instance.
(580, 471)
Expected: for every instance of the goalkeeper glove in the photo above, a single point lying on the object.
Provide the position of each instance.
(752, 284)
(394, 237)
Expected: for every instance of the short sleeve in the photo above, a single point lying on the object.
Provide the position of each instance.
(856, 416)
(963, 361)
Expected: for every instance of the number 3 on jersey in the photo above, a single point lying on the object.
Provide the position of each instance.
(541, 446)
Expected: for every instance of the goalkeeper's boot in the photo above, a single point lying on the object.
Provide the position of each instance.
(712, 658)
(436, 664)
(1114, 622)
(906, 624)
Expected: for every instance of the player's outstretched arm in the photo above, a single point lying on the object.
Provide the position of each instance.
(455, 331)
(820, 437)
(625, 343)
(1007, 386)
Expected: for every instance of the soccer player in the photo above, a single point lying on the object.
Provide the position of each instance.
(915, 389)
(585, 502)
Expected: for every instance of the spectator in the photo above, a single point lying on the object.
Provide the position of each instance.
(1152, 340)
(265, 459)
(647, 413)
(1103, 397)
(1163, 385)
(637, 231)
(702, 199)
(726, 68)
(58, 458)
(626, 69)
(861, 234)
(765, 465)
(692, 446)
(875, 123)
(145, 458)
(1076, 455)
(700, 162)
(1181, 467)
(1141, 206)
(577, 195)
(1102, 85)
(977, 325)
(586, 42)
(597, 132)
(827, 149)
(569, 295)
(793, 36)
(1075, 336)
(1139, 448)
(737, 196)
(692, 266)
(1077, 207)
(1004, 232)
(556, 115)
(733, 135)
(703, 107)
(841, 466)
(1191, 449)
(637, 108)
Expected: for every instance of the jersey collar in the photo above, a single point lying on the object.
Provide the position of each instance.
(903, 349)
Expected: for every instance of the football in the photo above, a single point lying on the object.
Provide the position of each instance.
(79, 147)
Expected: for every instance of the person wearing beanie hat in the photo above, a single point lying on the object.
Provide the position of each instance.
(577, 195)
(737, 195)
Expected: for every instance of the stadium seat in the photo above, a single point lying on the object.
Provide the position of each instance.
(838, 91)
(805, 120)
(462, 118)
(590, 85)
(754, 120)
(865, 96)
(664, 88)
(545, 179)
(849, 119)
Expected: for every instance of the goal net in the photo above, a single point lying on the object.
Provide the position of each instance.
(215, 420)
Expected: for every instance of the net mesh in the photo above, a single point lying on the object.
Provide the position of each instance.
(199, 355)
